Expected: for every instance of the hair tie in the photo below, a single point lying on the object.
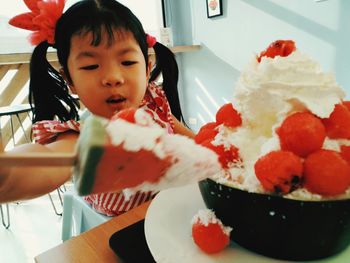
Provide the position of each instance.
(151, 40)
(42, 19)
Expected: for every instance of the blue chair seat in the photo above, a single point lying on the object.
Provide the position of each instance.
(78, 216)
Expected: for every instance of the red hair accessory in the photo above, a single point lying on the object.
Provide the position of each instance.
(151, 41)
(42, 19)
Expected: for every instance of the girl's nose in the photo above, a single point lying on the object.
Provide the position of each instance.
(112, 78)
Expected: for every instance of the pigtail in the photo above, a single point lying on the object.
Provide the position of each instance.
(167, 65)
(48, 93)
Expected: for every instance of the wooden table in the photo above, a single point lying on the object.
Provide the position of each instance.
(93, 246)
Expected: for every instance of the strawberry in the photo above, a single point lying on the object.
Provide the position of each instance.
(345, 153)
(206, 132)
(346, 104)
(211, 236)
(301, 133)
(326, 173)
(279, 171)
(281, 48)
(228, 116)
(126, 114)
(226, 156)
(338, 123)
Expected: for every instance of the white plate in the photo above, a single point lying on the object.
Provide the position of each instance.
(168, 232)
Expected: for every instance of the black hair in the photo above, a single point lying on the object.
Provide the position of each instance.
(167, 66)
(49, 93)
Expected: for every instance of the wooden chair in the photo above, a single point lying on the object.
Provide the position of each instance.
(3, 220)
(11, 112)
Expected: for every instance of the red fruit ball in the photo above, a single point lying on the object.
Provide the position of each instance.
(279, 171)
(326, 173)
(281, 48)
(225, 155)
(345, 153)
(346, 104)
(206, 132)
(211, 238)
(228, 116)
(338, 123)
(301, 133)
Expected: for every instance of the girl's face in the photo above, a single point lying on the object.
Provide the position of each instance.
(108, 78)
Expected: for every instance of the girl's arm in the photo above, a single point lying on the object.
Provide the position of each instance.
(27, 182)
(182, 129)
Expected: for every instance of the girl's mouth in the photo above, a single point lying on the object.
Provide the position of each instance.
(116, 103)
(115, 100)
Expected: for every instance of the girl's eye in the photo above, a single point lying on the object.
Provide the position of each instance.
(128, 63)
(90, 67)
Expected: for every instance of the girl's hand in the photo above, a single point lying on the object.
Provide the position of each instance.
(182, 129)
(27, 182)
(4, 175)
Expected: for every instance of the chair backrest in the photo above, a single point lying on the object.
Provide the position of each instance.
(14, 83)
(14, 90)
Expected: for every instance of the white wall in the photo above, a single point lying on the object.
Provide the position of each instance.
(320, 29)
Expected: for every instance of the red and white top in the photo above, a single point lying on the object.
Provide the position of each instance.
(111, 204)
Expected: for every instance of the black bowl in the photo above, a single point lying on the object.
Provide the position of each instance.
(278, 227)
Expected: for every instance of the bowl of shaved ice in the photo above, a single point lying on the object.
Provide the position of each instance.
(284, 146)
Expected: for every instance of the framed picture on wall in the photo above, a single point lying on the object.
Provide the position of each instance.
(214, 8)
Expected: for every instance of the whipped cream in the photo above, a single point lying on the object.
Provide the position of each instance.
(265, 94)
(267, 91)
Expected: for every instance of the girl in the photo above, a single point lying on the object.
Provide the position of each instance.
(103, 51)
